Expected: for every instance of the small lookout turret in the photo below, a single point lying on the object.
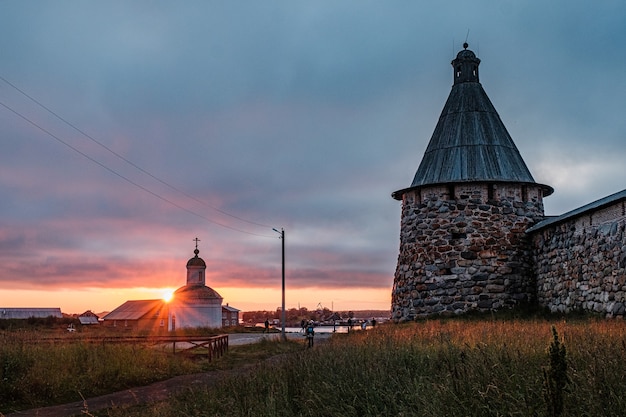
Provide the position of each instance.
(465, 66)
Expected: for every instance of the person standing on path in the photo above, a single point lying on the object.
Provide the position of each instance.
(310, 333)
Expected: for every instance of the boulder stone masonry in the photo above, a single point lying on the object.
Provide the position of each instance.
(580, 263)
(464, 247)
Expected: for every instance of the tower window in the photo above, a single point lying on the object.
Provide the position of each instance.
(451, 190)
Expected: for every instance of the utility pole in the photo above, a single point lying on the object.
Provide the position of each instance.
(283, 312)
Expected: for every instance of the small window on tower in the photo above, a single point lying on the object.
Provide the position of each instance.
(451, 192)
(199, 276)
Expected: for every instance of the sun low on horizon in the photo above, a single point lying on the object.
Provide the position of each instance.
(168, 295)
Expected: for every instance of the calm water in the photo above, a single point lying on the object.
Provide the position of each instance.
(322, 329)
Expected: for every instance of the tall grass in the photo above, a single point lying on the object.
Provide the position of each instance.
(34, 374)
(430, 368)
(453, 367)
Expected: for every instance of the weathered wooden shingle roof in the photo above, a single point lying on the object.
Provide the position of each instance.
(470, 142)
(134, 310)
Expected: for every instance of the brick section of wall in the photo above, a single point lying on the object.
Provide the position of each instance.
(463, 247)
(587, 222)
(580, 264)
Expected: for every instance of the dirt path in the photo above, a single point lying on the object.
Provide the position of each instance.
(157, 391)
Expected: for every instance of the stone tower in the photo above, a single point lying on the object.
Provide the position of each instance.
(462, 241)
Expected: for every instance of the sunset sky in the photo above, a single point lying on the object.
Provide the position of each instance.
(129, 128)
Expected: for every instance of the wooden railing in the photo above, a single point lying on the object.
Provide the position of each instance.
(215, 346)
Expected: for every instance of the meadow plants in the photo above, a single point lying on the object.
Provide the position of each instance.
(447, 367)
(36, 372)
(430, 368)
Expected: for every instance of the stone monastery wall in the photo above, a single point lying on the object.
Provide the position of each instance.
(464, 247)
(580, 262)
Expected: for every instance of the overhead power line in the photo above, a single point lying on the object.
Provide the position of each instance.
(121, 156)
(160, 197)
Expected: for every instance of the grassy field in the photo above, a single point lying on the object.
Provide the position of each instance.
(431, 368)
(452, 367)
(35, 372)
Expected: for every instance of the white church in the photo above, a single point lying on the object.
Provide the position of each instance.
(193, 305)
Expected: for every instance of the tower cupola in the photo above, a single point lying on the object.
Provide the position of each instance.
(465, 66)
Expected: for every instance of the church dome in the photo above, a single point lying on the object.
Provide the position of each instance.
(196, 261)
(466, 54)
(189, 293)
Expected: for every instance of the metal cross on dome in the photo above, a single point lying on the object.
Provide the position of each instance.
(196, 240)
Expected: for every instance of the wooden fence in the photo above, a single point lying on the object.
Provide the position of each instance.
(215, 346)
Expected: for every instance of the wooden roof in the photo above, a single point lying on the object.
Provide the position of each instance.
(28, 312)
(580, 211)
(134, 309)
(470, 142)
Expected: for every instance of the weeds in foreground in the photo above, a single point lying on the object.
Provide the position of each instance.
(555, 379)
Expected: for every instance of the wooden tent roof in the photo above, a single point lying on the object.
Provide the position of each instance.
(470, 142)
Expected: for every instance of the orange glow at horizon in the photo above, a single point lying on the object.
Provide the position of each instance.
(98, 300)
(336, 299)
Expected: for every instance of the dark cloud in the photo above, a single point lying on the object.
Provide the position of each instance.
(253, 116)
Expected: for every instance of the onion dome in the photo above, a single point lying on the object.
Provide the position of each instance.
(196, 261)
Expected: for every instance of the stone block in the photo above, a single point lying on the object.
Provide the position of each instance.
(469, 255)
